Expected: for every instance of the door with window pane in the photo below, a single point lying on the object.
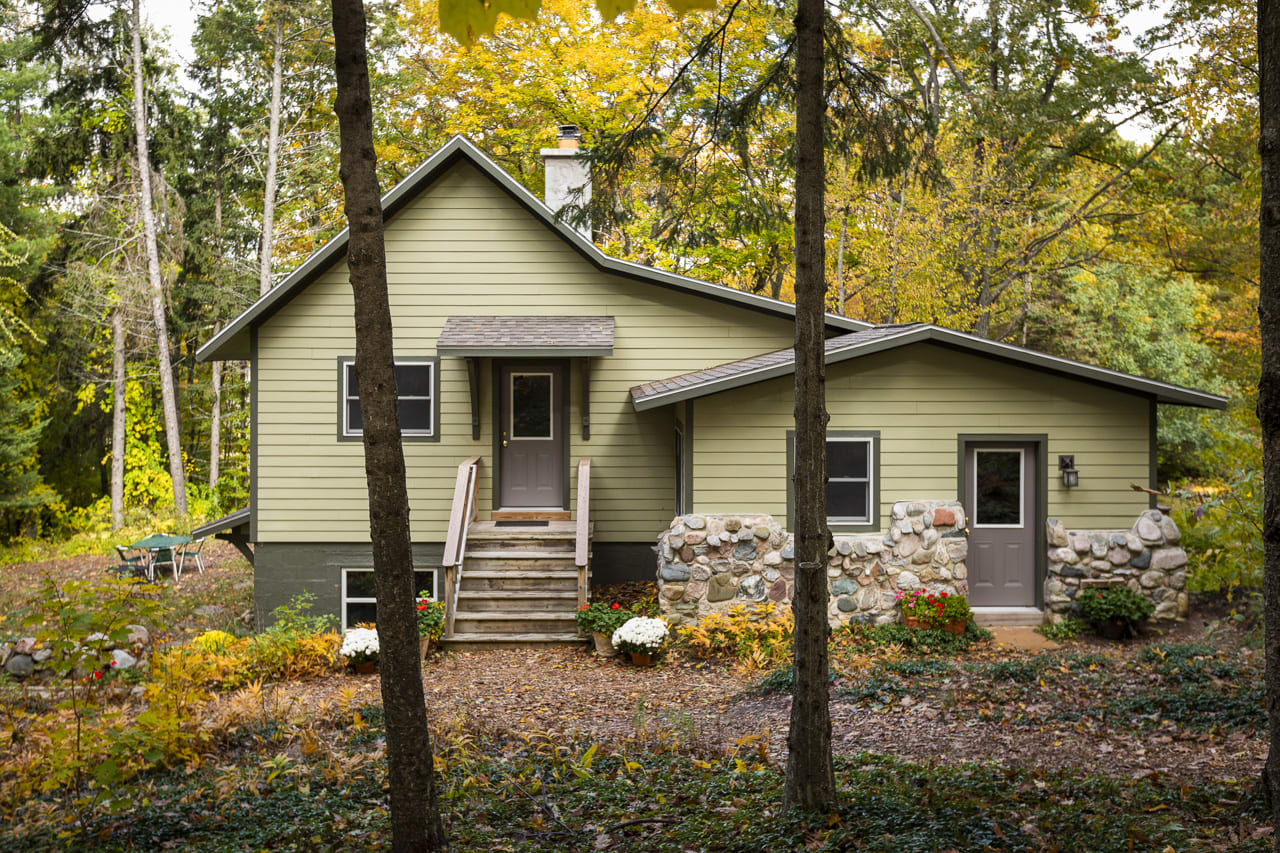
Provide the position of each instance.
(531, 435)
(999, 499)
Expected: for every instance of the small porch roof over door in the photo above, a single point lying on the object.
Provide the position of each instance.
(526, 337)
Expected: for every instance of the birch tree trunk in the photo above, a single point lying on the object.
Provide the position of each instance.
(1269, 385)
(273, 156)
(169, 397)
(117, 415)
(415, 813)
(810, 783)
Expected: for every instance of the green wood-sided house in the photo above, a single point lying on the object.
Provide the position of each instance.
(560, 407)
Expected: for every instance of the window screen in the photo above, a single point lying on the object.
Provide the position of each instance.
(415, 385)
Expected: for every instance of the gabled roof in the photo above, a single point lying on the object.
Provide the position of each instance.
(239, 518)
(232, 341)
(735, 374)
(532, 337)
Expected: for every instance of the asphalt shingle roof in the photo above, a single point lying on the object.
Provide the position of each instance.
(473, 335)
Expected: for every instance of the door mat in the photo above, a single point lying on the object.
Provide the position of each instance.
(522, 524)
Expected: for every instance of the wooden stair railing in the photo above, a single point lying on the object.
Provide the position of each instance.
(582, 549)
(463, 512)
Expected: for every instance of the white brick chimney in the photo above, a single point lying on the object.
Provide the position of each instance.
(568, 176)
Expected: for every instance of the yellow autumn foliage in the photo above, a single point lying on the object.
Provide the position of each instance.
(757, 636)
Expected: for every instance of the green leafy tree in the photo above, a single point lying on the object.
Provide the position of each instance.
(21, 489)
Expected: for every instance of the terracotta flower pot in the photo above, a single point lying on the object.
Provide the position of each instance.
(366, 667)
(424, 646)
(642, 658)
(604, 644)
(955, 626)
(913, 622)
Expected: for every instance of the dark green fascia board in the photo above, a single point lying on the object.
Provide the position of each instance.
(229, 345)
(525, 352)
(1161, 392)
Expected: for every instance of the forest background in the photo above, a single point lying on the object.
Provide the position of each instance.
(1036, 172)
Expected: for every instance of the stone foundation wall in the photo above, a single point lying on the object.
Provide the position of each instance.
(709, 563)
(1146, 557)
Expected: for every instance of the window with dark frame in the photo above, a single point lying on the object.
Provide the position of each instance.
(850, 487)
(359, 594)
(415, 400)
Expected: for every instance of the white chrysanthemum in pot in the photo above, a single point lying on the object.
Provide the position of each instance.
(641, 635)
(360, 645)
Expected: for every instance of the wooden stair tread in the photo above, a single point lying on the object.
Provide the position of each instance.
(539, 637)
(513, 615)
(517, 555)
(518, 593)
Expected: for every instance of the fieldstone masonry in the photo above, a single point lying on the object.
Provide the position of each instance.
(1146, 557)
(709, 563)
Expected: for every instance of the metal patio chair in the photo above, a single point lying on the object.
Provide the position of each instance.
(192, 550)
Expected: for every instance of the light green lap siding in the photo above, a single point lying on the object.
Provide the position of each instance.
(921, 398)
(465, 247)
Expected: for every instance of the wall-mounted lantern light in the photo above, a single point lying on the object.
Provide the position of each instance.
(1067, 467)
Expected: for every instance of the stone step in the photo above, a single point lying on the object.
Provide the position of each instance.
(484, 641)
(992, 616)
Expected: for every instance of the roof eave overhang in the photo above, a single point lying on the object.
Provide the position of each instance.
(524, 352)
(1161, 392)
(239, 518)
(219, 348)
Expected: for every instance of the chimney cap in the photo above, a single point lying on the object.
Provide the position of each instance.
(568, 131)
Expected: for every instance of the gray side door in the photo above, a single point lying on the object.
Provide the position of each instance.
(532, 435)
(1000, 501)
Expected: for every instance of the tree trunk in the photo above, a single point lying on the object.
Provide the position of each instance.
(273, 156)
(810, 783)
(1269, 385)
(117, 415)
(168, 394)
(415, 815)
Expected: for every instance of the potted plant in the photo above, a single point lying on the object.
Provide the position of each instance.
(600, 620)
(922, 609)
(430, 622)
(1115, 613)
(641, 637)
(360, 648)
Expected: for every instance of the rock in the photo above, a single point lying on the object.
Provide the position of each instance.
(1170, 529)
(874, 546)
(1132, 542)
(1100, 566)
(1141, 561)
(675, 541)
(695, 522)
(1063, 555)
(1118, 555)
(6, 650)
(1168, 558)
(695, 591)
(844, 547)
(1178, 580)
(1116, 540)
(25, 646)
(751, 588)
(745, 550)
(908, 581)
(917, 526)
(778, 592)
(916, 508)
(20, 665)
(927, 519)
(923, 557)
(846, 604)
(1167, 610)
(869, 598)
(209, 611)
(904, 526)
(700, 572)
(1098, 545)
(960, 570)
(943, 517)
(674, 572)
(895, 535)
(120, 659)
(733, 525)
(1151, 579)
(859, 548)
(770, 575)
(721, 588)
(1147, 529)
(908, 546)
(762, 532)
(1071, 572)
(844, 586)
(1057, 533)
(773, 558)
(899, 510)
(673, 591)
(958, 549)
(929, 538)
(789, 550)
(41, 655)
(1079, 543)
(695, 537)
(686, 555)
(1183, 602)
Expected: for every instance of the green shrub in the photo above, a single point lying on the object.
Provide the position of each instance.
(1118, 604)
(1064, 630)
(430, 616)
(917, 666)
(920, 641)
(783, 680)
(1011, 670)
(1222, 533)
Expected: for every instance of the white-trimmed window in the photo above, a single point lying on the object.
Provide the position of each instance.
(415, 400)
(359, 594)
(850, 479)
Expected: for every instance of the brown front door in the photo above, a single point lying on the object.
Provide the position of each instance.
(999, 498)
(531, 434)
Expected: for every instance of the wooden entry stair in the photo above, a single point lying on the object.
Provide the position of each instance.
(515, 585)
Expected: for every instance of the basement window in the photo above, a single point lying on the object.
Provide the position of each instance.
(417, 400)
(360, 598)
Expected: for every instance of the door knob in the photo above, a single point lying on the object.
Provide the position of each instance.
(504, 442)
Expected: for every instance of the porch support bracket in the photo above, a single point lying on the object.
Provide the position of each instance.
(586, 399)
(473, 383)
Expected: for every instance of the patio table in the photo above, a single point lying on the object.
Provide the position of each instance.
(157, 542)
